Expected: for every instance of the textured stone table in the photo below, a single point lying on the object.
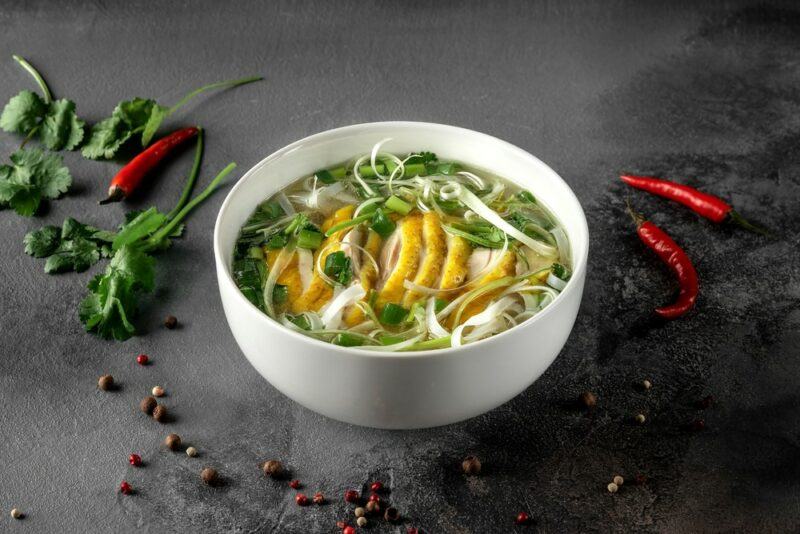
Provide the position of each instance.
(708, 94)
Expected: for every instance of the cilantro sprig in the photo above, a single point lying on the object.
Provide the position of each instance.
(53, 121)
(73, 247)
(32, 177)
(139, 116)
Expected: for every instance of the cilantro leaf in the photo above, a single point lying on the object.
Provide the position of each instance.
(111, 301)
(42, 242)
(421, 157)
(157, 116)
(61, 128)
(33, 176)
(76, 254)
(23, 112)
(108, 136)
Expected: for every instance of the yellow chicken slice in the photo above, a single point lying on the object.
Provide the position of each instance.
(435, 250)
(410, 229)
(319, 292)
(368, 276)
(455, 269)
(506, 267)
(290, 277)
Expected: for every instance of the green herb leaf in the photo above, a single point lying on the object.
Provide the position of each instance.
(73, 255)
(338, 266)
(61, 128)
(142, 225)
(23, 112)
(108, 136)
(561, 272)
(421, 157)
(33, 176)
(42, 242)
(73, 247)
(111, 303)
(157, 115)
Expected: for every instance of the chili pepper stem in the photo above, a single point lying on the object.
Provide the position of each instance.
(740, 221)
(115, 194)
(638, 218)
(48, 96)
(217, 85)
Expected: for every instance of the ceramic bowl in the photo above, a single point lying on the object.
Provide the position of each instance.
(411, 389)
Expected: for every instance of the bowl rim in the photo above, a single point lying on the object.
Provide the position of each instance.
(579, 261)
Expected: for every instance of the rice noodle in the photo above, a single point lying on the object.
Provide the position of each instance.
(366, 203)
(563, 245)
(486, 316)
(305, 266)
(359, 179)
(332, 314)
(395, 347)
(286, 206)
(275, 271)
(434, 328)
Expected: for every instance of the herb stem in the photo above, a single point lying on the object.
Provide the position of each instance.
(169, 227)
(29, 136)
(193, 174)
(48, 97)
(217, 85)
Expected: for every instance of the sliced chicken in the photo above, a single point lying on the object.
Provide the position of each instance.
(400, 260)
(368, 275)
(290, 277)
(432, 260)
(456, 267)
(505, 267)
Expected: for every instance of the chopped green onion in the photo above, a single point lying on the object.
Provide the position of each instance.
(430, 344)
(337, 266)
(382, 224)
(301, 321)
(390, 340)
(400, 206)
(393, 314)
(280, 294)
(277, 241)
(414, 169)
(347, 224)
(298, 222)
(448, 205)
(347, 340)
(561, 272)
(439, 305)
(477, 239)
(366, 171)
(255, 253)
(309, 239)
(526, 196)
(447, 169)
(330, 176)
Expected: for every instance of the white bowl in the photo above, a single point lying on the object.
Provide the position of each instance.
(413, 389)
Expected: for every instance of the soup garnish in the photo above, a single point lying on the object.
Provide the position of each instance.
(400, 254)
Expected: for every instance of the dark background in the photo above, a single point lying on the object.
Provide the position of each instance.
(706, 93)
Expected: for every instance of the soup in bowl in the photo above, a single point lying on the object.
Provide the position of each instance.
(401, 275)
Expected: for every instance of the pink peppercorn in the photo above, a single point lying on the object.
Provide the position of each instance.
(135, 460)
(142, 359)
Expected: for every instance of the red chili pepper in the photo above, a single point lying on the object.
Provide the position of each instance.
(676, 259)
(131, 175)
(708, 206)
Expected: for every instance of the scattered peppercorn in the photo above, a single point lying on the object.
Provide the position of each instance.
(640, 418)
(522, 518)
(148, 404)
(135, 460)
(376, 486)
(618, 480)
(348, 530)
(294, 484)
(641, 479)
(374, 497)
(612, 488)
(171, 321)
(273, 468)
(471, 465)
(391, 514)
(359, 512)
(209, 475)
(646, 384)
(705, 402)
(105, 382)
(191, 452)
(157, 391)
(697, 425)
(160, 413)
(142, 359)
(588, 400)
(301, 499)
(351, 496)
(361, 521)
(173, 442)
(125, 488)
(373, 507)
(341, 524)
(412, 530)
(16, 513)
(319, 498)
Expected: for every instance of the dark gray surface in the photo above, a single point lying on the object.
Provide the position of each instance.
(706, 93)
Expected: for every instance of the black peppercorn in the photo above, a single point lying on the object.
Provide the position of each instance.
(148, 404)
(273, 468)
(160, 413)
(471, 465)
(106, 382)
(209, 475)
(173, 442)
(171, 321)
(391, 514)
(588, 400)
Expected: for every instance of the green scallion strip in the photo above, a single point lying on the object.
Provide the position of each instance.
(366, 171)
(325, 177)
(309, 239)
(415, 169)
(347, 340)
(472, 237)
(430, 344)
(347, 224)
(400, 206)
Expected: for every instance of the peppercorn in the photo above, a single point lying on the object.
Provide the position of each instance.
(376, 486)
(341, 524)
(348, 530)
(135, 460)
(412, 530)
(359, 512)
(374, 497)
(171, 321)
(373, 507)
(173, 442)
(522, 518)
(209, 475)
(157, 391)
(618, 480)
(301, 499)
(361, 521)
(612, 488)
(294, 484)
(160, 413)
(319, 498)
(273, 468)
(588, 400)
(125, 488)
(351, 496)
(641, 479)
(142, 359)
(16, 513)
(191, 452)
(148, 404)
(640, 418)
(105, 382)
(471, 465)
(646, 384)
(391, 514)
